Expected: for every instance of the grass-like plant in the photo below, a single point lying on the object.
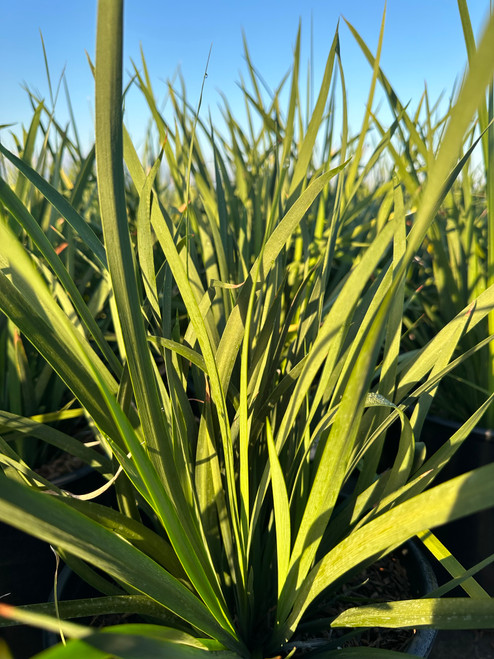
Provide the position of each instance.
(29, 386)
(235, 362)
(456, 261)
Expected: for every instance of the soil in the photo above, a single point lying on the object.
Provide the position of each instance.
(64, 464)
(384, 581)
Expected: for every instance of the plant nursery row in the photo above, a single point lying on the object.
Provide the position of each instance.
(247, 369)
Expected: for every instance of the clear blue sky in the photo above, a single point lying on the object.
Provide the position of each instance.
(423, 42)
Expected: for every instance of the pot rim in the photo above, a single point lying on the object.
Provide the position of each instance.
(486, 434)
(420, 645)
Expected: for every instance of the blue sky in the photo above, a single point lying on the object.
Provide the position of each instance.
(423, 42)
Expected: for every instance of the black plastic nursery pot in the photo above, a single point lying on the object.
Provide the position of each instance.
(421, 577)
(70, 586)
(404, 574)
(422, 581)
(27, 569)
(470, 539)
